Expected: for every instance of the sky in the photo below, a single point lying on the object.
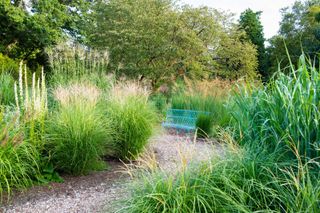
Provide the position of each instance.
(270, 17)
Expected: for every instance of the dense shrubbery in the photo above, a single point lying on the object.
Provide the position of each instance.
(132, 118)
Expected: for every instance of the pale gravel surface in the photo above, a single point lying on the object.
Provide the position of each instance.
(97, 192)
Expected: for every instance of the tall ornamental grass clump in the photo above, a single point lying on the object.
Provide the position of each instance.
(6, 89)
(132, 118)
(284, 114)
(77, 133)
(18, 158)
(241, 181)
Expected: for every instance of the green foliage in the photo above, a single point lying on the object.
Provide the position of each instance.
(6, 89)
(25, 35)
(219, 116)
(164, 41)
(133, 120)
(283, 115)
(8, 65)
(18, 158)
(251, 24)
(48, 174)
(193, 102)
(235, 59)
(204, 124)
(160, 102)
(299, 31)
(77, 133)
(247, 181)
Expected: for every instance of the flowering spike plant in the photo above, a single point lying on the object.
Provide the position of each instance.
(34, 102)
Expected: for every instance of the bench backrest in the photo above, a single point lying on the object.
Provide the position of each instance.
(179, 118)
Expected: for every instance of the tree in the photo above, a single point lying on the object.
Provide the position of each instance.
(251, 24)
(299, 32)
(24, 34)
(156, 40)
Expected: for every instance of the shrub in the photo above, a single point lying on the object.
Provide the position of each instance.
(283, 115)
(6, 89)
(77, 132)
(132, 119)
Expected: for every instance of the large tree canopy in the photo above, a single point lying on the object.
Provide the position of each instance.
(26, 30)
(299, 30)
(157, 40)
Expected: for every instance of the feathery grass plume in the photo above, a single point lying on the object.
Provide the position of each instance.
(132, 117)
(21, 81)
(34, 104)
(16, 97)
(72, 61)
(83, 92)
(78, 132)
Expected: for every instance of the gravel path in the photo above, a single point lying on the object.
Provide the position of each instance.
(98, 191)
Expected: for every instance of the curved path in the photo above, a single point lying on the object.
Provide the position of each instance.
(98, 192)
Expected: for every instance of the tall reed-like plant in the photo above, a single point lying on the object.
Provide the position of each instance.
(284, 114)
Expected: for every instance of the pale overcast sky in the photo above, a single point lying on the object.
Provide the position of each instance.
(270, 17)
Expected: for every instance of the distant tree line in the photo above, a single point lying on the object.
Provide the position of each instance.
(159, 40)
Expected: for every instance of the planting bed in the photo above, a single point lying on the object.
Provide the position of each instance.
(98, 191)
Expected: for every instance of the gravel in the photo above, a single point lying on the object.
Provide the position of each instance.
(99, 191)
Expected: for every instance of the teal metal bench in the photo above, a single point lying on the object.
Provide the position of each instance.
(182, 119)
